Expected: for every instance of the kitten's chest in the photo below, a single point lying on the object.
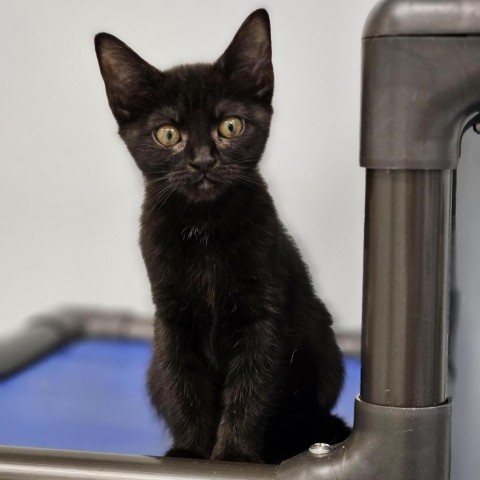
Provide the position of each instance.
(208, 280)
(197, 265)
(204, 277)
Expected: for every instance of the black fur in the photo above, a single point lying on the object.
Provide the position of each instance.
(245, 364)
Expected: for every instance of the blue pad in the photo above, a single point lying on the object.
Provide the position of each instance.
(91, 395)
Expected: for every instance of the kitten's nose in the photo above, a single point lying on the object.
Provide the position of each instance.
(202, 164)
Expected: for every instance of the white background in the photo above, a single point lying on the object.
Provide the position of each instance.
(70, 194)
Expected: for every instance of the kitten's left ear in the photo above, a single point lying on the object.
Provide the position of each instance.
(248, 59)
(129, 80)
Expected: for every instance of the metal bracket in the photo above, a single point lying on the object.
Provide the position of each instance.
(421, 70)
(387, 442)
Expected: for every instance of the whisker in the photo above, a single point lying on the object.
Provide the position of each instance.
(159, 179)
(162, 196)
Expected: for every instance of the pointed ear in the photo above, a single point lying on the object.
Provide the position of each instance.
(248, 59)
(129, 80)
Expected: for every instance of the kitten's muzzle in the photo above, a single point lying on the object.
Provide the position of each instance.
(202, 164)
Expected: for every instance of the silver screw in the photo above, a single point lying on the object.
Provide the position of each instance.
(320, 448)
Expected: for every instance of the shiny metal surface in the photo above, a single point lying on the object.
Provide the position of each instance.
(320, 449)
(387, 443)
(418, 96)
(406, 278)
(33, 343)
(29, 464)
(423, 17)
(49, 331)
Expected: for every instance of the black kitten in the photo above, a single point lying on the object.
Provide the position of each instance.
(245, 364)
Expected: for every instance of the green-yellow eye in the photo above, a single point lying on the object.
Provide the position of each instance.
(230, 127)
(168, 135)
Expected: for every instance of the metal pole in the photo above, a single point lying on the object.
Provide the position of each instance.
(39, 464)
(406, 280)
(50, 331)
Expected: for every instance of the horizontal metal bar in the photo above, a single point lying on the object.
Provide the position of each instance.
(20, 350)
(18, 463)
(46, 333)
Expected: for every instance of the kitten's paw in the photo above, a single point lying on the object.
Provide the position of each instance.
(184, 453)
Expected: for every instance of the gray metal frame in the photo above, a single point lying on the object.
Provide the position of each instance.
(421, 72)
(43, 464)
(47, 332)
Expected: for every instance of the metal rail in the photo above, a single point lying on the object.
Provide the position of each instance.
(36, 464)
(47, 332)
(407, 265)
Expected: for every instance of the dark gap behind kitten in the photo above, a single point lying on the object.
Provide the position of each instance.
(245, 364)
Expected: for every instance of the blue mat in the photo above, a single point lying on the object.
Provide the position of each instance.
(91, 396)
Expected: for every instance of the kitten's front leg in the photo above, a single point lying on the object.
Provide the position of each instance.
(183, 394)
(248, 395)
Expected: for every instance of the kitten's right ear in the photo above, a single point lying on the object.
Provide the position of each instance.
(248, 59)
(129, 80)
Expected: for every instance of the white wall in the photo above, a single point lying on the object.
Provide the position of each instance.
(69, 192)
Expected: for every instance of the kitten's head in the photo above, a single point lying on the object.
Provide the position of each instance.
(194, 129)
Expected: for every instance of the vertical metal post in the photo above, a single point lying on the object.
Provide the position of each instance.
(406, 279)
(421, 72)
